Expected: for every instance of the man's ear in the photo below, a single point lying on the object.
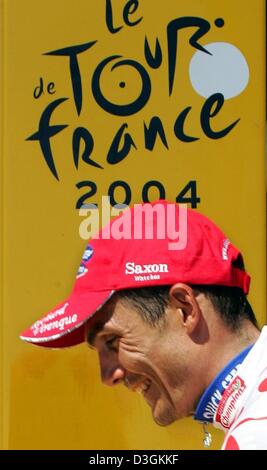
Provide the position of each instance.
(183, 300)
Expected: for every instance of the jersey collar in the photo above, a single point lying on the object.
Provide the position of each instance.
(209, 402)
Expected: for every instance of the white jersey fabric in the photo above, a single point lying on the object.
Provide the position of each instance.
(242, 411)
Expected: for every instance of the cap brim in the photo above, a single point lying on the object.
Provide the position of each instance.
(64, 326)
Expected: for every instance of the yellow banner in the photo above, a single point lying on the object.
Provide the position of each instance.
(135, 100)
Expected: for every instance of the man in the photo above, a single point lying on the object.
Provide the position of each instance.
(170, 320)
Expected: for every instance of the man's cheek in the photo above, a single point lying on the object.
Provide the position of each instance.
(131, 361)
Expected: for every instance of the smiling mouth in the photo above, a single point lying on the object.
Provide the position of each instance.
(143, 387)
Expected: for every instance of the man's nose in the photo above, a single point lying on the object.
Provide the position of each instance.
(112, 373)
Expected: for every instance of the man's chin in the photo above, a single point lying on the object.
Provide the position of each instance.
(163, 419)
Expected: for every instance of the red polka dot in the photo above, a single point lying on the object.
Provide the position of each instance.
(263, 386)
(231, 444)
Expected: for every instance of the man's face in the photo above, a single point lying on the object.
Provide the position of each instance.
(150, 360)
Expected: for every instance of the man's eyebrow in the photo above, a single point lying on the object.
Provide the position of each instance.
(93, 332)
(96, 328)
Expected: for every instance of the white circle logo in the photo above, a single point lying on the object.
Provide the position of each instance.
(224, 70)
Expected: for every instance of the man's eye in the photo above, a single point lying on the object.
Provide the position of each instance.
(112, 343)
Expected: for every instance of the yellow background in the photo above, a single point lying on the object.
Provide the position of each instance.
(54, 399)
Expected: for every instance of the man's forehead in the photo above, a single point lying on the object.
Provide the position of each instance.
(97, 322)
